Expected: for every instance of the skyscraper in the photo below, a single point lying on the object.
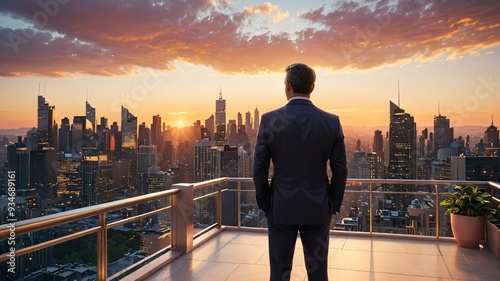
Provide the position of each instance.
(443, 134)
(103, 138)
(244, 163)
(104, 123)
(167, 156)
(156, 133)
(96, 175)
(90, 114)
(43, 120)
(376, 167)
(144, 135)
(129, 130)
(402, 144)
(248, 122)
(129, 142)
(209, 125)
(115, 138)
(378, 145)
(81, 131)
(43, 172)
(64, 136)
(359, 166)
(422, 143)
(240, 122)
(146, 158)
(206, 161)
(491, 136)
(231, 127)
(256, 120)
(67, 177)
(220, 121)
(402, 154)
(229, 161)
(184, 160)
(475, 168)
(121, 174)
(18, 160)
(46, 124)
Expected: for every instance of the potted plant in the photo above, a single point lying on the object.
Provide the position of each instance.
(493, 229)
(468, 207)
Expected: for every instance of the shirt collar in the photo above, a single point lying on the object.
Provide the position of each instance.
(299, 98)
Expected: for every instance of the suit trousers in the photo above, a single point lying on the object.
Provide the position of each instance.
(315, 240)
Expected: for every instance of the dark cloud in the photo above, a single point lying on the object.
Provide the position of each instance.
(115, 37)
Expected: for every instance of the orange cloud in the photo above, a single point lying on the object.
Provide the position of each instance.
(280, 15)
(266, 9)
(118, 37)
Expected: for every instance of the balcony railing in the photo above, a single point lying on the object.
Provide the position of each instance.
(196, 211)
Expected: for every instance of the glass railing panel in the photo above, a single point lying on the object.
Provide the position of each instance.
(407, 209)
(230, 203)
(205, 214)
(392, 208)
(137, 235)
(242, 191)
(355, 211)
(206, 209)
(76, 257)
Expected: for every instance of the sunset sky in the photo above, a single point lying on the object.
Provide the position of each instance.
(173, 57)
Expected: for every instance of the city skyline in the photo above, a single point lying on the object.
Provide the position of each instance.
(172, 59)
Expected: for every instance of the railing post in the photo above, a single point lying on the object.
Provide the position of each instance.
(437, 210)
(183, 218)
(371, 208)
(219, 205)
(238, 205)
(102, 249)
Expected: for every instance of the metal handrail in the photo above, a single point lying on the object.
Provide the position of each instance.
(398, 181)
(210, 182)
(40, 223)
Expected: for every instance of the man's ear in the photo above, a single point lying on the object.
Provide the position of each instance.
(312, 88)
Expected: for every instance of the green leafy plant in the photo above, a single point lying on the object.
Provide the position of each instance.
(468, 201)
(495, 217)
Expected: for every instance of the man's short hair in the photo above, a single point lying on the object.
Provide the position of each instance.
(301, 77)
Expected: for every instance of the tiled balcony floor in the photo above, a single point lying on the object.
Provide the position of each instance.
(239, 255)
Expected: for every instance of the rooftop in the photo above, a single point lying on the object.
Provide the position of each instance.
(206, 248)
(243, 255)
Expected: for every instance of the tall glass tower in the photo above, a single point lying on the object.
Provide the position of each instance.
(491, 136)
(47, 128)
(378, 145)
(402, 154)
(402, 144)
(129, 130)
(90, 113)
(156, 133)
(443, 134)
(256, 119)
(220, 121)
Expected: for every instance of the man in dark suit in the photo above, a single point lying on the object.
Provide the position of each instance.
(299, 139)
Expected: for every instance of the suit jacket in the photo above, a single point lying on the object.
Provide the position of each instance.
(299, 139)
